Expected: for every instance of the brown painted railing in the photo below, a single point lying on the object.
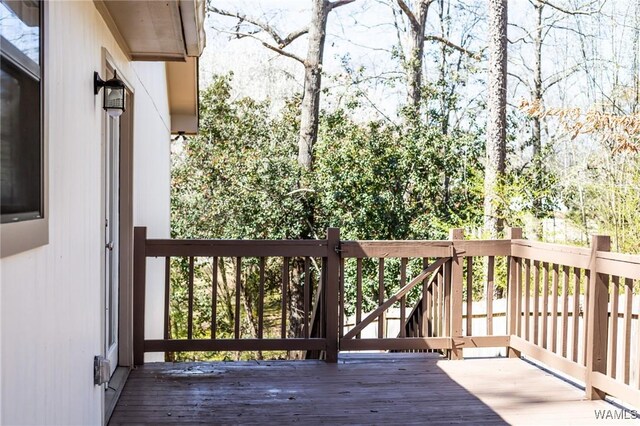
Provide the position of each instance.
(563, 303)
(436, 321)
(213, 251)
(568, 313)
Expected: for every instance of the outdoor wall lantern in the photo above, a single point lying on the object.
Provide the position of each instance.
(113, 96)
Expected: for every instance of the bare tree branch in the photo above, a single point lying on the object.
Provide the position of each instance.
(282, 42)
(407, 11)
(339, 3)
(452, 45)
(517, 77)
(567, 11)
(265, 44)
(557, 78)
(242, 17)
(284, 52)
(292, 36)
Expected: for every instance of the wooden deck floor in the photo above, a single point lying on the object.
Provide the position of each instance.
(360, 389)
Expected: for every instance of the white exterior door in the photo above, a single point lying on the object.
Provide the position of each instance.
(112, 231)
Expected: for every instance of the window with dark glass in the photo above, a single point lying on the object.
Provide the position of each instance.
(21, 144)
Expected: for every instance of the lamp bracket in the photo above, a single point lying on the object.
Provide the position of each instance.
(98, 83)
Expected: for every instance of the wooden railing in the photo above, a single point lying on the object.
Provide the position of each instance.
(568, 313)
(435, 322)
(570, 308)
(320, 252)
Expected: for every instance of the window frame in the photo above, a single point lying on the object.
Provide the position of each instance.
(18, 237)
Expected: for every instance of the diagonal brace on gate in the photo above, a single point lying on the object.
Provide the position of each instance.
(397, 296)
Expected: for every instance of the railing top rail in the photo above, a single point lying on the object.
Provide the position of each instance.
(423, 248)
(578, 257)
(235, 248)
(619, 264)
(391, 248)
(560, 248)
(623, 265)
(621, 257)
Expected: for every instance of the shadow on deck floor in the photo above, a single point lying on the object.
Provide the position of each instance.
(361, 389)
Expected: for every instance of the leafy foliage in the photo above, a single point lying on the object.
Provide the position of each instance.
(239, 179)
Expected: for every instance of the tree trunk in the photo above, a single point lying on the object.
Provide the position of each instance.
(496, 106)
(445, 107)
(536, 134)
(415, 53)
(636, 60)
(310, 107)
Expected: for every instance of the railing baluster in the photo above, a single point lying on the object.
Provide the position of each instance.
(381, 318)
(565, 310)
(342, 299)
(613, 328)
(285, 288)
(489, 295)
(433, 308)
(426, 305)
(545, 304)
(509, 302)
(428, 321)
(238, 285)
(261, 300)
(167, 294)
(214, 297)
(403, 299)
(413, 324)
(190, 292)
(536, 302)
(307, 296)
(585, 315)
(440, 301)
(469, 295)
(575, 338)
(519, 304)
(527, 300)
(358, 292)
(554, 308)
(628, 311)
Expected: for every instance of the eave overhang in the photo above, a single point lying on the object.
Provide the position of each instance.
(168, 30)
(183, 96)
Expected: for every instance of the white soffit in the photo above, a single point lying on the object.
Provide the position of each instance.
(153, 30)
(193, 14)
(182, 86)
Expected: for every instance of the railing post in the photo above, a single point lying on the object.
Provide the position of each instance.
(455, 285)
(139, 284)
(597, 318)
(513, 307)
(331, 294)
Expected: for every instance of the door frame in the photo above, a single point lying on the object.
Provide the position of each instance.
(111, 230)
(125, 305)
(125, 258)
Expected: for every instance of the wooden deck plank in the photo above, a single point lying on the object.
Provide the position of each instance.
(412, 388)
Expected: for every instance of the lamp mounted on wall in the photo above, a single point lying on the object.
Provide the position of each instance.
(113, 96)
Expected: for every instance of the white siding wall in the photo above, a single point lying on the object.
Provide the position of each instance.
(151, 177)
(51, 297)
